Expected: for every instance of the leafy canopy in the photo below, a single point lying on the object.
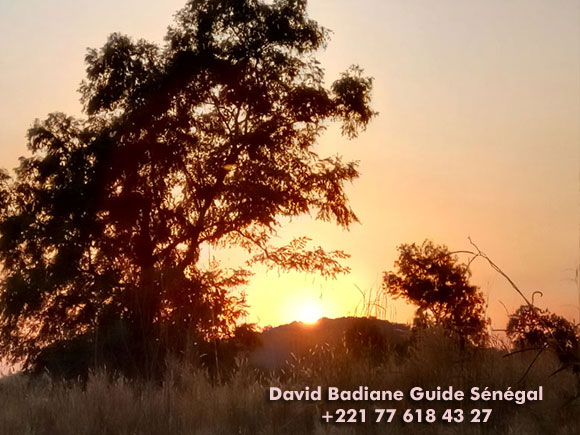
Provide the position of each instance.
(432, 278)
(532, 327)
(206, 140)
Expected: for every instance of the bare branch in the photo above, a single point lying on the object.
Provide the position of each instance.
(532, 363)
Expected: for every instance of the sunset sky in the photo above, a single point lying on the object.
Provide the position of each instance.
(478, 135)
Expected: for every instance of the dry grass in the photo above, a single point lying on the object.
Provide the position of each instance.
(187, 402)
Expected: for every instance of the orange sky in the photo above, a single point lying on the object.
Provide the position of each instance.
(478, 134)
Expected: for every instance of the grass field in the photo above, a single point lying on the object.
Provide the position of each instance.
(187, 402)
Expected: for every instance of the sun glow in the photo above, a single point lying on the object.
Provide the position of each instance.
(309, 312)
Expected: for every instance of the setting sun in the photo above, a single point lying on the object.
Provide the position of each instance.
(309, 312)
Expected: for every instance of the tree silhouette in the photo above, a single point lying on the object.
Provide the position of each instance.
(431, 277)
(532, 327)
(204, 141)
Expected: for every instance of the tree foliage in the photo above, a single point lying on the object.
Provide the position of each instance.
(530, 326)
(206, 140)
(432, 278)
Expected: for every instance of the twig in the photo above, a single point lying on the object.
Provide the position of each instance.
(532, 363)
(537, 293)
(494, 266)
(521, 350)
(505, 308)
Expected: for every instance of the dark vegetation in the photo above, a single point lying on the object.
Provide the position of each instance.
(359, 336)
(207, 140)
(533, 329)
(433, 279)
(188, 401)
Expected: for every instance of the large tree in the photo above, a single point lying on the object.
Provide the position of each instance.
(432, 278)
(206, 140)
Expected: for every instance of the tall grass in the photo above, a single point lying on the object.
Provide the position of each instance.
(187, 402)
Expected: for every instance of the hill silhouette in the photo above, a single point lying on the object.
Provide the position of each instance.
(279, 344)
